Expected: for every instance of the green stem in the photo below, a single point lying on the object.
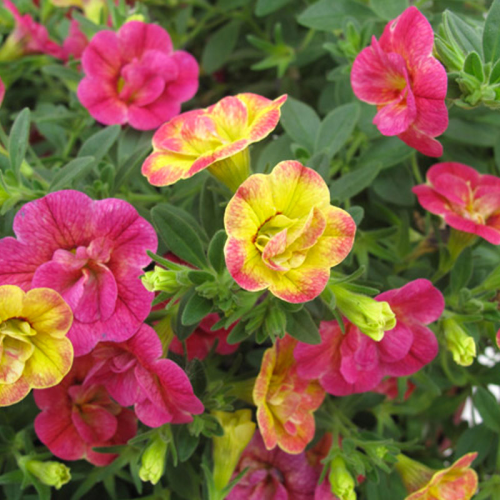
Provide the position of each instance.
(416, 169)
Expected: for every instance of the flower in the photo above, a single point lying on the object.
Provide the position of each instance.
(467, 200)
(76, 418)
(284, 235)
(285, 401)
(407, 84)
(461, 345)
(28, 37)
(133, 374)
(75, 42)
(153, 460)
(34, 349)
(134, 76)
(227, 449)
(2, 91)
(352, 362)
(199, 343)
(50, 473)
(92, 253)
(216, 138)
(273, 475)
(94, 10)
(457, 482)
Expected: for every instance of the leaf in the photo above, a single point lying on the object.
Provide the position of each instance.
(478, 438)
(474, 66)
(100, 143)
(265, 7)
(300, 122)
(182, 332)
(395, 186)
(467, 37)
(489, 408)
(491, 34)
(186, 443)
(336, 129)
(388, 151)
(357, 213)
(75, 168)
(238, 334)
(472, 132)
(197, 307)
(220, 46)
(301, 326)
(329, 15)
(18, 139)
(174, 229)
(216, 251)
(354, 182)
(211, 210)
(462, 271)
(388, 9)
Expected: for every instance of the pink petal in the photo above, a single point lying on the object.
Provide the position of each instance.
(396, 117)
(422, 142)
(102, 59)
(468, 174)
(453, 189)
(185, 86)
(93, 423)
(396, 343)
(136, 37)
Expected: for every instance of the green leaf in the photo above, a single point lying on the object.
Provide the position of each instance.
(474, 66)
(100, 143)
(182, 332)
(18, 139)
(354, 182)
(462, 271)
(174, 229)
(395, 186)
(220, 46)
(300, 122)
(238, 334)
(388, 151)
(466, 36)
(491, 34)
(388, 9)
(301, 326)
(357, 213)
(265, 7)
(74, 169)
(472, 132)
(195, 310)
(186, 443)
(329, 15)
(211, 209)
(488, 407)
(216, 251)
(336, 129)
(478, 438)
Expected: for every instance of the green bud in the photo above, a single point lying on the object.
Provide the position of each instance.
(153, 460)
(461, 345)
(53, 474)
(341, 481)
(160, 280)
(373, 318)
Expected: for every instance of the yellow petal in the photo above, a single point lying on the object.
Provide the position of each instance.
(11, 301)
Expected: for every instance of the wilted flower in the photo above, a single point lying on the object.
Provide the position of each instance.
(238, 431)
(34, 349)
(92, 253)
(134, 76)
(467, 200)
(76, 418)
(457, 482)
(407, 84)
(50, 473)
(153, 460)
(461, 345)
(284, 235)
(285, 401)
(216, 138)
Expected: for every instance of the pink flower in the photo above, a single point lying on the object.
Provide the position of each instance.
(407, 84)
(28, 37)
(273, 475)
(203, 338)
(75, 43)
(133, 374)
(134, 76)
(467, 200)
(2, 91)
(76, 418)
(352, 362)
(92, 253)
(389, 387)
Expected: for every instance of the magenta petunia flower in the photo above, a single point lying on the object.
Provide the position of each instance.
(407, 84)
(134, 76)
(273, 475)
(133, 374)
(75, 43)
(76, 418)
(353, 362)
(92, 253)
(199, 343)
(467, 200)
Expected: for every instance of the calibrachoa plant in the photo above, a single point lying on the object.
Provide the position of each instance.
(249, 249)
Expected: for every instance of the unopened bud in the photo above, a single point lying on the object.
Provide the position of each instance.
(53, 474)
(461, 345)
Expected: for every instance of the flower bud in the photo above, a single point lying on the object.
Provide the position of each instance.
(461, 345)
(372, 317)
(238, 431)
(341, 481)
(53, 474)
(153, 460)
(160, 280)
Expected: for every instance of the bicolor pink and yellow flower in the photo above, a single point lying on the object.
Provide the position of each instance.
(76, 418)
(285, 401)
(457, 482)
(92, 253)
(94, 10)
(353, 362)
(34, 349)
(467, 200)
(283, 234)
(216, 138)
(133, 374)
(399, 74)
(134, 76)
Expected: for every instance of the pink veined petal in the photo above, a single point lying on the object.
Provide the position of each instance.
(431, 200)
(136, 37)
(94, 423)
(422, 142)
(396, 343)
(468, 174)
(145, 344)
(186, 85)
(101, 59)
(395, 117)
(155, 114)
(453, 189)
(431, 117)
(491, 232)
(430, 81)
